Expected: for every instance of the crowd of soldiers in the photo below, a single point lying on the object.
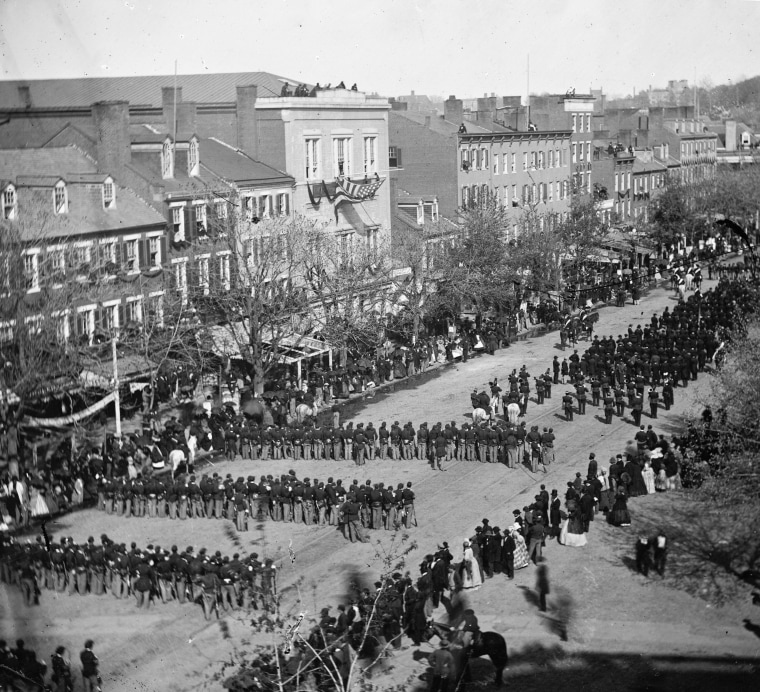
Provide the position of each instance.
(149, 574)
(646, 365)
(285, 499)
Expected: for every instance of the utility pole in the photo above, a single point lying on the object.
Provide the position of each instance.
(116, 402)
(527, 100)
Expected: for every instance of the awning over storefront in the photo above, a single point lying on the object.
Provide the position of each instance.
(232, 340)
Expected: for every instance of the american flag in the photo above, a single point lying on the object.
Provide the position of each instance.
(350, 191)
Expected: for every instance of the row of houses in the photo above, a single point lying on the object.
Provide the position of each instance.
(125, 185)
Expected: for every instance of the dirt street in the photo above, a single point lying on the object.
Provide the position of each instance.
(615, 611)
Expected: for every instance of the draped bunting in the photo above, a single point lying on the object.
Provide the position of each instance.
(345, 190)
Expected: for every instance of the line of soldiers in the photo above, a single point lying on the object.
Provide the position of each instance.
(150, 575)
(284, 498)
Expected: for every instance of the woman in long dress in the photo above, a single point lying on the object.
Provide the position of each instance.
(471, 578)
(637, 486)
(572, 534)
(619, 515)
(521, 550)
(37, 502)
(648, 475)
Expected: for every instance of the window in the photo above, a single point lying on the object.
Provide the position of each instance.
(178, 224)
(496, 164)
(559, 194)
(525, 194)
(312, 158)
(484, 159)
(193, 158)
(283, 204)
(32, 270)
(62, 327)
(394, 157)
(263, 206)
(628, 178)
(541, 159)
(107, 253)
(465, 196)
(200, 220)
(588, 122)
(551, 158)
(9, 202)
(525, 160)
(580, 151)
(341, 156)
(575, 123)
(224, 272)
(533, 160)
(167, 159)
(110, 318)
(203, 275)
(588, 151)
(514, 163)
(156, 308)
(60, 198)
(533, 193)
(109, 194)
(506, 195)
(154, 252)
(370, 155)
(134, 309)
(433, 215)
(514, 196)
(617, 182)
(180, 277)
(132, 256)
(86, 321)
(80, 258)
(220, 209)
(56, 264)
(551, 192)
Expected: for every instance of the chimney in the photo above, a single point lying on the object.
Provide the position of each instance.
(25, 96)
(111, 120)
(168, 95)
(730, 135)
(453, 110)
(247, 129)
(186, 124)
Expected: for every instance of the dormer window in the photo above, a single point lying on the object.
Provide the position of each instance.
(109, 194)
(60, 198)
(167, 159)
(193, 159)
(9, 203)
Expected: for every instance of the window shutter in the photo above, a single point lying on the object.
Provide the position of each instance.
(398, 157)
(190, 234)
(142, 252)
(120, 255)
(122, 314)
(164, 251)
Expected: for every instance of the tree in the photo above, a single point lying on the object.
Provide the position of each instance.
(581, 236)
(253, 304)
(476, 274)
(417, 254)
(38, 290)
(673, 212)
(348, 282)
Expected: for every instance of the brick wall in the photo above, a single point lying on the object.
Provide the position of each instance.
(428, 162)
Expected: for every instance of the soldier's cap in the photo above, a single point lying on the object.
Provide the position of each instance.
(395, 422)
(409, 484)
(516, 512)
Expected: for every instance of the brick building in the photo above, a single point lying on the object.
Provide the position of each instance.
(520, 169)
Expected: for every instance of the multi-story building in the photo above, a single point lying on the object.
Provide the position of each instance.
(574, 112)
(522, 170)
(92, 250)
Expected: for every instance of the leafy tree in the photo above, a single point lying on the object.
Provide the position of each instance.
(581, 236)
(476, 273)
(673, 212)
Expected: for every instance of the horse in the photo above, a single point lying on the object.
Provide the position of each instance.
(480, 415)
(490, 644)
(513, 411)
(304, 411)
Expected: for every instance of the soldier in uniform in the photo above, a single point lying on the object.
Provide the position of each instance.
(407, 499)
(580, 395)
(654, 399)
(383, 436)
(567, 404)
(609, 407)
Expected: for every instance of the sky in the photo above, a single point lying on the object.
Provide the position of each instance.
(442, 47)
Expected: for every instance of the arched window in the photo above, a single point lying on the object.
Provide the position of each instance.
(193, 158)
(60, 198)
(9, 202)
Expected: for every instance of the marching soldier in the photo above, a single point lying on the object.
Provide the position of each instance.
(567, 404)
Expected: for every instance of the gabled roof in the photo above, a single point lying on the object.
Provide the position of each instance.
(144, 90)
(60, 161)
(31, 168)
